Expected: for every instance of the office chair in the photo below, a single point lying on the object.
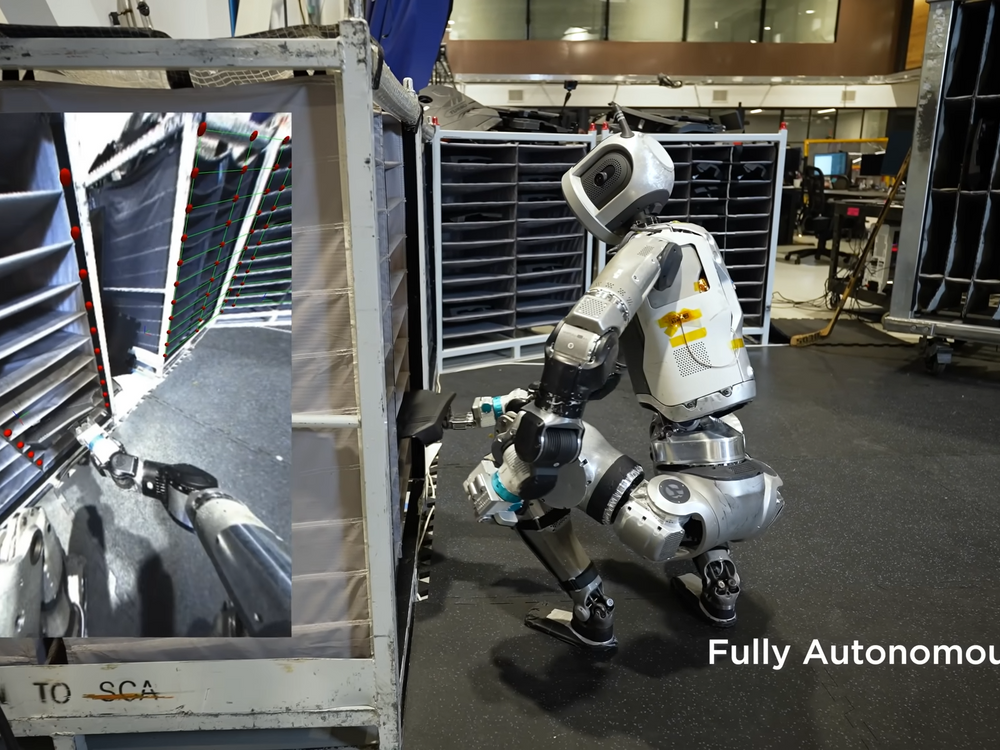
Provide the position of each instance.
(839, 182)
(812, 217)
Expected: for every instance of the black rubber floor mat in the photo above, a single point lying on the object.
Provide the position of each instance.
(845, 333)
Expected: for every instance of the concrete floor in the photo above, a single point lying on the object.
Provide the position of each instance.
(224, 408)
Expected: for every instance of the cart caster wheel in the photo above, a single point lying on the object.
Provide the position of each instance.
(934, 365)
(797, 261)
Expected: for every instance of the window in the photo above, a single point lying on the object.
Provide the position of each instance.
(800, 20)
(798, 124)
(724, 20)
(763, 121)
(576, 21)
(849, 123)
(823, 123)
(646, 21)
(489, 19)
(875, 123)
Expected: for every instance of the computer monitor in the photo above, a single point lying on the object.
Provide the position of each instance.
(793, 163)
(871, 165)
(831, 164)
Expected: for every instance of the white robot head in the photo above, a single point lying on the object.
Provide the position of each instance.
(626, 175)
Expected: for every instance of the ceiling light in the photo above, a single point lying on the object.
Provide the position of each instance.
(810, 12)
(767, 28)
(826, 111)
(753, 41)
(756, 111)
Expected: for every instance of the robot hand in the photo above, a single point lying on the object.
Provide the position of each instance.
(487, 410)
(171, 484)
(253, 563)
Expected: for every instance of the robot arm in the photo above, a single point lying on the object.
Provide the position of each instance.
(253, 563)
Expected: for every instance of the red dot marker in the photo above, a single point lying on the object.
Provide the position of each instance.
(276, 166)
(229, 223)
(234, 304)
(75, 233)
(180, 262)
(97, 351)
(244, 170)
(253, 136)
(189, 209)
(107, 405)
(184, 238)
(242, 283)
(8, 433)
(20, 445)
(83, 273)
(267, 190)
(177, 283)
(274, 207)
(93, 330)
(252, 231)
(65, 177)
(212, 279)
(254, 257)
(173, 302)
(105, 394)
(171, 317)
(39, 462)
(281, 188)
(202, 128)
(31, 454)
(287, 139)
(239, 263)
(88, 305)
(222, 244)
(100, 368)
(266, 226)
(216, 262)
(201, 320)
(105, 382)
(196, 330)
(235, 198)
(202, 307)
(194, 173)
(164, 356)
(207, 294)
(289, 165)
(259, 242)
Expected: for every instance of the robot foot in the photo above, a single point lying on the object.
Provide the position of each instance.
(713, 594)
(596, 633)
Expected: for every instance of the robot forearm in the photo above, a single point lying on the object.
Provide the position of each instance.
(253, 563)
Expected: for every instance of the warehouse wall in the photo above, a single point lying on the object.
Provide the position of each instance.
(867, 41)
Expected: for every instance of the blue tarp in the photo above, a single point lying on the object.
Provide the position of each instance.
(410, 32)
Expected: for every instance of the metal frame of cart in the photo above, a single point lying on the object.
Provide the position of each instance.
(65, 702)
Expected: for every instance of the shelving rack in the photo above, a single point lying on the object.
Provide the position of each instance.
(140, 289)
(340, 672)
(511, 259)
(731, 186)
(266, 295)
(947, 278)
(51, 364)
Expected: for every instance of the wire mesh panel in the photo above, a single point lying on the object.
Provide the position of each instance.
(50, 376)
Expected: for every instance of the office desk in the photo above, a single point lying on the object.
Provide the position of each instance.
(856, 194)
(864, 209)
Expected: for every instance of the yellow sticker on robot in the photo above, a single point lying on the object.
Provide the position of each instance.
(738, 344)
(672, 321)
(688, 336)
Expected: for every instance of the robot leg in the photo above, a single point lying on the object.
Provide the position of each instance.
(713, 590)
(548, 533)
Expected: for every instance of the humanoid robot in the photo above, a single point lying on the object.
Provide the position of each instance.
(665, 300)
